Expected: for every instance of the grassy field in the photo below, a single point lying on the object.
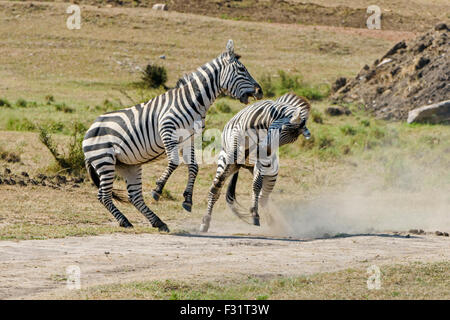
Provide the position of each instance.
(57, 78)
(413, 281)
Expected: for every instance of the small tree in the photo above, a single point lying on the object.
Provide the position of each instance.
(154, 76)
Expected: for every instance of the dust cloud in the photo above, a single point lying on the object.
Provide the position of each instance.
(397, 198)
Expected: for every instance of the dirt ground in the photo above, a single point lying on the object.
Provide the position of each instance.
(36, 268)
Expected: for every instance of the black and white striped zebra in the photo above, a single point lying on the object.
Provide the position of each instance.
(250, 140)
(121, 141)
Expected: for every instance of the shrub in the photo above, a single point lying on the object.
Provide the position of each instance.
(20, 124)
(316, 116)
(348, 130)
(64, 108)
(21, 103)
(73, 161)
(325, 142)
(154, 76)
(267, 85)
(291, 83)
(49, 99)
(365, 123)
(223, 107)
(5, 103)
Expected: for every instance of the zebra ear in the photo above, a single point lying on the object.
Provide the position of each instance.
(230, 47)
(296, 117)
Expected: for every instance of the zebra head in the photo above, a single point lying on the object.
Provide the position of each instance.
(235, 80)
(299, 119)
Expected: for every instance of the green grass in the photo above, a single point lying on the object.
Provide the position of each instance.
(285, 82)
(412, 281)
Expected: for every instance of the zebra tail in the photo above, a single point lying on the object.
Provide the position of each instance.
(235, 207)
(117, 194)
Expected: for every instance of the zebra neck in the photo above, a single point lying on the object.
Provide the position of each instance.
(203, 86)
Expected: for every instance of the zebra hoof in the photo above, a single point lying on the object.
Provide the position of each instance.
(125, 224)
(204, 227)
(155, 195)
(187, 206)
(256, 221)
(163, 227)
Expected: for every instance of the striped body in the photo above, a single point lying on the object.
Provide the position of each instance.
(250, 140)
(121, 141)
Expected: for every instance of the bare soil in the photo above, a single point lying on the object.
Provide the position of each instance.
(37, 268)
(291, 11)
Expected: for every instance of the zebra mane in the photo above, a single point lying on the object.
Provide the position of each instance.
(296, 101)
(184, 80)
(188, 77)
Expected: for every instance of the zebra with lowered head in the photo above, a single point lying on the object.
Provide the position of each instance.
(121, 141)
(250, 140)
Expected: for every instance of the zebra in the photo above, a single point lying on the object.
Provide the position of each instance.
(280, 122)
(121, 141)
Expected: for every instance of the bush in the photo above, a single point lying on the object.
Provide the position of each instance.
(325, 142)
(21, 103)
(292, 83)
(223, 107)
(348, 130)
(316, 116)
(49, 99)
(64, 108)
(154, 76)
(73, 161)
(267, 85)
(20, 124)
(5, 103)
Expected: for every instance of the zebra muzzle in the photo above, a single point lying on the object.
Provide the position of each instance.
(306, 134)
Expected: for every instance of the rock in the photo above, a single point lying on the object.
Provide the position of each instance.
(160, 6)
(78, 180)
(423, 61)
(433, 113)
(337, 111)
(339, 83)
(394, 49)
(441, 26)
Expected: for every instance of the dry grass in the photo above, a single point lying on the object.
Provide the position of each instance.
(412, 281)
(40, 56)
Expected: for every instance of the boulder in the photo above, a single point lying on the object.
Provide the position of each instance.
(160, 6)
(337, 111)
(433, 113)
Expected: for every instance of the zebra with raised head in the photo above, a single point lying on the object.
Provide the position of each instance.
(250, 140)
(121, 141)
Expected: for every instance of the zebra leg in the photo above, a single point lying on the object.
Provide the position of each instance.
(106, 171)
(268, 184)
(172, 155)
(223, 172)
(258, 179)
(133, 177)
(193, 171)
